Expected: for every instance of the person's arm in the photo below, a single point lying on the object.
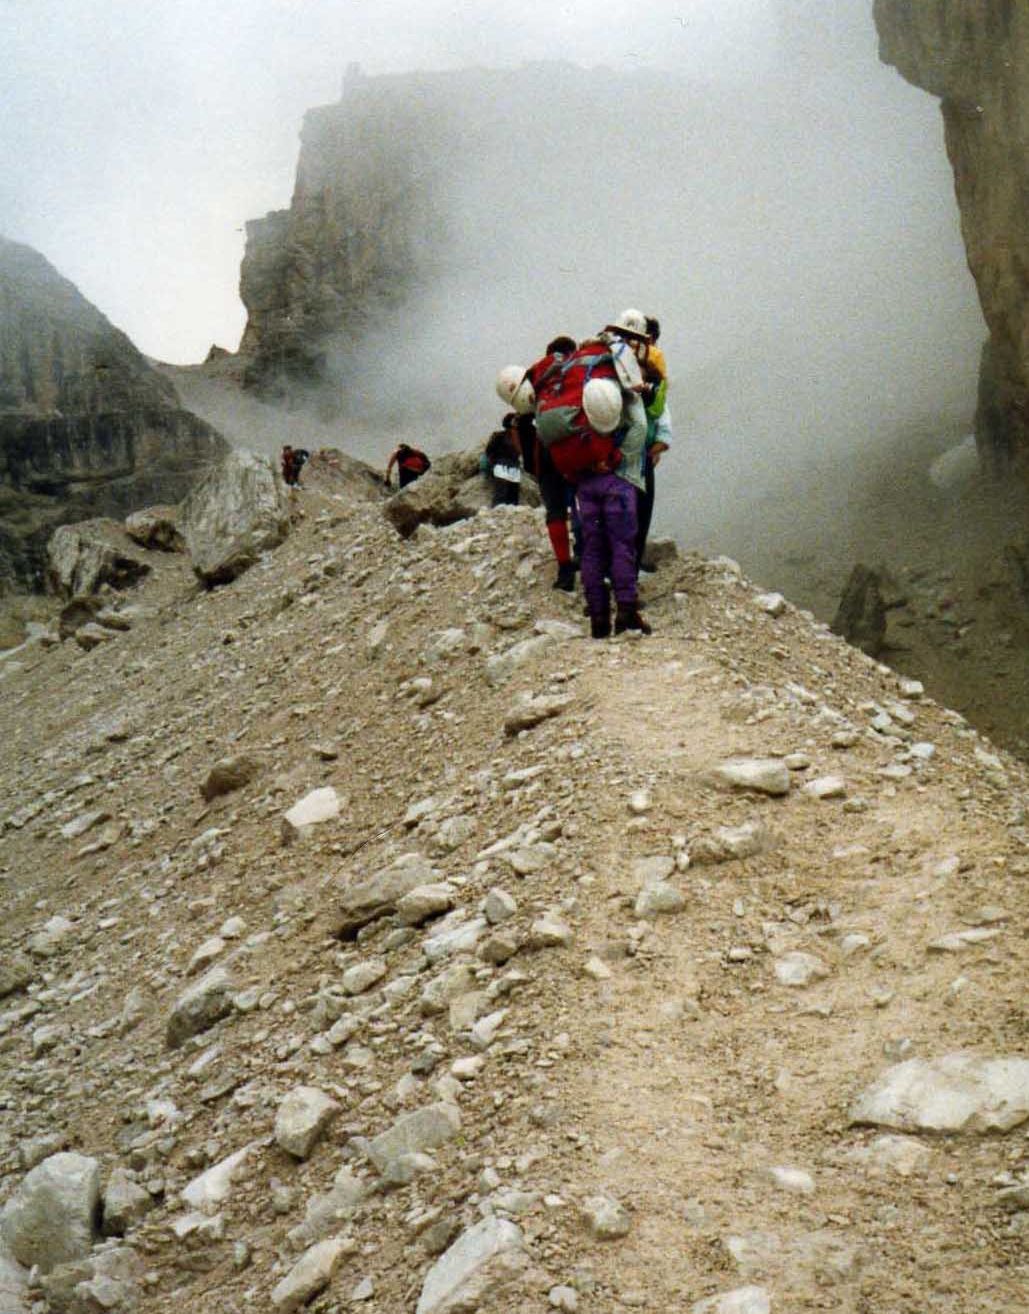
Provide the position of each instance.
(389, 467)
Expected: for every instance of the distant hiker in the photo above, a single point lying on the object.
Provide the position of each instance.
(659, 433)
(590, 417)
(504, 462)
(293, 461)
(410, 462)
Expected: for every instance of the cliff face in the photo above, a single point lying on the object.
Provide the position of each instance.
(974, 55)
(87, 426)
(361, 220)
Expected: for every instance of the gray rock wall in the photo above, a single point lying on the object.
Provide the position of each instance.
(974, 55)
(87, 426)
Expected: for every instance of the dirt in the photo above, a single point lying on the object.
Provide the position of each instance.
(674, 1084)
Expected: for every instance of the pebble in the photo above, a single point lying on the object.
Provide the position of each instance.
(605, 1218)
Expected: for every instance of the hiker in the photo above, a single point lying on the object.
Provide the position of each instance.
(659, 432)
(293, 461)
(410, 462)
(555, 492)
(590, 417)
(504, 462)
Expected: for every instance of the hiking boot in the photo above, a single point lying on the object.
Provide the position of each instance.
(629, 618)
(600, 625)
(565, 577)
(646, 568)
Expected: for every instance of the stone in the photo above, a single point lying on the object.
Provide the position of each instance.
(239, 510)
(319, 806)
(156, 528)
(311, 1274)
(955, 941)
(651, 871)
(531, 711)
(14, 1285)
(324, 1213)
(302, 1118)
(125, 1204)
(228, 775)
(53, 1216)
(200, 1007)
(499, 906)
(861, 615)
(366, 901)
(425, 902)
(659, 898)
(774, 604)
(793, 1180)
(760, 775)
(728, 843)
(17, 972)
(363, 976)
(799, 969)
(742, 1300)
(456, 935)
(205, 955)
(53, 937)
(107, 1281)
(605, 1218)
(417, 1132)
(92, 635)
(471, 1272)
(82, 557)
(501, 666)
(212, 1188)
(550, 932)
(953, 1093)
(826, 787)
(900, 1154)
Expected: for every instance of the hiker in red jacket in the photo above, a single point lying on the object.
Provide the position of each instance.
(410, 462)
(555, 492)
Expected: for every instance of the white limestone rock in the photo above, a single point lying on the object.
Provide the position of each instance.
(605, 1218)
(53, 1217)
(311, 1274)
(303, 1116)
(743, 1300)
(483, 1259)
(312, 810)
(757, 774)
(212, 1188)
(954, 1093)
(414, 1133)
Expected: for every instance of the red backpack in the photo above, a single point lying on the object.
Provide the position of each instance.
(561, 423)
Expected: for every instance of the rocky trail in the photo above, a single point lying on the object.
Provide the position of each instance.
(374, 940)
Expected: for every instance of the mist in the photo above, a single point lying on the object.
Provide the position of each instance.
(797, 236)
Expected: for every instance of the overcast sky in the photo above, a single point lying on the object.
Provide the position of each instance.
(137, 136)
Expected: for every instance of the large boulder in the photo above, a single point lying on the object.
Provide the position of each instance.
(239, 510)
(53, 1218)
(861, 615)
(82, 557)
(453, 490)
(156, 527)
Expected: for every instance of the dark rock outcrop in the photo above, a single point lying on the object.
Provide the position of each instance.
(87, 426)
(974, 55)
(861, 617)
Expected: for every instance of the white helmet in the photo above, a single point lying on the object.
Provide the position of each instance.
(602, 402)
(632, 322)
(508, 382)
(524, 398)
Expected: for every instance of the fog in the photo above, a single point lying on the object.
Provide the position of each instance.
(797, 237)
(744, 169)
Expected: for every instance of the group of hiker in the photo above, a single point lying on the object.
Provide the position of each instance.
(293, 460)
(590, 421)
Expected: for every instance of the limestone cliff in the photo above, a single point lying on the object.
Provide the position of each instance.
(87, 426)
(974, 55)
(361, 217)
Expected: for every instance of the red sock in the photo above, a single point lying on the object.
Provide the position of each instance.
(558, 531)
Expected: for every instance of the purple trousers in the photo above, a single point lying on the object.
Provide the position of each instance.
(607, 509)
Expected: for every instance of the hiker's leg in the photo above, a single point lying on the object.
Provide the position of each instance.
(644, 512)
(620, 523)
(594, 551)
